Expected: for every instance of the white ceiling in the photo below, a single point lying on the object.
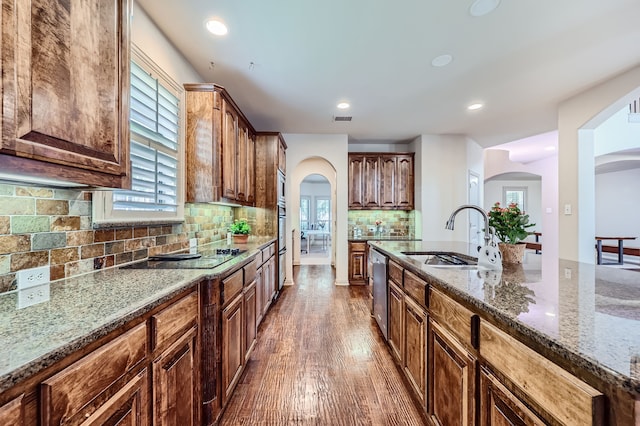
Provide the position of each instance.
(521, 61)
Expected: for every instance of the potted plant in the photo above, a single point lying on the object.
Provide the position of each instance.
(240, 230)
(510, 225)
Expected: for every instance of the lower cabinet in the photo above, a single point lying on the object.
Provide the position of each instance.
(498, 406)
(452, 379)
(415, 341)
(250, 328)
(129, 406)
(232, 344)
(12, 413)
(174, 383)
(357, 262)
(395, 336)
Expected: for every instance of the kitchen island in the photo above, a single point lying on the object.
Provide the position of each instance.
(558, 343)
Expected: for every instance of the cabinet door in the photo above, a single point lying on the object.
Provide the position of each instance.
(174, 383)
(232, 344)
(259, 296)
(250, 330)
(500, 407)
(388, 181)
(65, 90)
(273, 271)
(266, 286)
(415, 338)
(128, 407)
(251, 170)
(242, 162)
(357, 264)
(229, 150)
(371, 183)
(356, 184)
(282, 157)
(451, 380)
(203, 132)
(404, 185)
(12, 413)
(396, 321)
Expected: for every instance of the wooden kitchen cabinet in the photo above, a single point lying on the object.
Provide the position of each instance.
(67, 396)
(358, 262)
(220, 148)
(452, 372)
(65, 91)
(250, 317)
(396, 335)
(129, 406)
(381, 181)
(12, 413)
(499, 406)
(414, 360)
(232, 344)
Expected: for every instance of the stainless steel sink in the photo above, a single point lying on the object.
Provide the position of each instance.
(443, 259)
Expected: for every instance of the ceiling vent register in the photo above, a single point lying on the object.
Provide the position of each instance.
(342, 118)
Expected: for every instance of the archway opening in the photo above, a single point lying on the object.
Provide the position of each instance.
(315, 220)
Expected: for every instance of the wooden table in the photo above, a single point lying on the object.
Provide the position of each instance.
(620, 249)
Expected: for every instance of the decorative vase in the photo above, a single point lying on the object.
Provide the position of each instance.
(240, 238)
(512, 253)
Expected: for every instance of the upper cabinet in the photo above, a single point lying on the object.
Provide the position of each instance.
(65, 90)
(381, 181)
(220, 149)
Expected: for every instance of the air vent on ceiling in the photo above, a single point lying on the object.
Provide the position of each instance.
(342, 118)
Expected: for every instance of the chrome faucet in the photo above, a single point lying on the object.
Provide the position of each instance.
(487, 231)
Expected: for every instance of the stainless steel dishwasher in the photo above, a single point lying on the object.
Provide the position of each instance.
(380, 312)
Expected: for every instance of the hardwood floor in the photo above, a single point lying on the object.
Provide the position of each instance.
(320, 360)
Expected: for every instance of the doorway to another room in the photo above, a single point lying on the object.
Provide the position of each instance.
(315, 220)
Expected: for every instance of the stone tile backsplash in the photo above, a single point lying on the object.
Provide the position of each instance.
(48, 226)
(394, 223)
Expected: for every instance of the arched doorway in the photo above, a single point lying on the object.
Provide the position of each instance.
(316, 220)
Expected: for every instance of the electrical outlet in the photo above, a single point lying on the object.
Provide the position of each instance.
(567, 273)
(34, 276)
(33, 295)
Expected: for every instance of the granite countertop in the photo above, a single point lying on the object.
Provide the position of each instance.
(85, 308)
(587, 315)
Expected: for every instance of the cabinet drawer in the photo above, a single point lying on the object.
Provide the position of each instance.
(265, 254)
(395, 272)
(452, 316)
(357, 247)
(272, 250)
(250, 272)
(67, 392)
(175, 319)
(231, 286)
(416, 288)
(571, 402)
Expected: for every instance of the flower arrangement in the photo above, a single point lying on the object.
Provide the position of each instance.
(510, 223)
(240, 227)
(378, 222)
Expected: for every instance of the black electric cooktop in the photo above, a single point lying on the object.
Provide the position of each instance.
(203, 260)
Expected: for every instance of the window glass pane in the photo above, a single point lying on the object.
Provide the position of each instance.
(515, 195)
(305, 205)
(323, 213)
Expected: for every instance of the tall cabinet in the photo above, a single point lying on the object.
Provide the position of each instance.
(381, 181)
(270, 193)
(220, 152)
(65, 90)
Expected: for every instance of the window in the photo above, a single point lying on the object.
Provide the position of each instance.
(305, 212)
(517, 195)
(323, 213)
(155, 151)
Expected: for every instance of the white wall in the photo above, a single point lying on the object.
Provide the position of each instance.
(618, 205)
(616, 134)
(493, 190)
(577, 117)
(379, 147)
(326, 155)
(442, 163)
(315, 189)
(153, 43)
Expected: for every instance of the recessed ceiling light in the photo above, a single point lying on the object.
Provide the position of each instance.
(550, 148)
(343, 105)
(442, 60)
(474, 106)
(483, 7)
(216, 27)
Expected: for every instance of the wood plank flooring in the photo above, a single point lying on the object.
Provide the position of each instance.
(320, 360)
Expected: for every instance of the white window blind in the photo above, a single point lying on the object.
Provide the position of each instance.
(154, 126)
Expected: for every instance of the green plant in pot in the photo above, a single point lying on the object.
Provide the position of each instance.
(240, 230)
(511, 227)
